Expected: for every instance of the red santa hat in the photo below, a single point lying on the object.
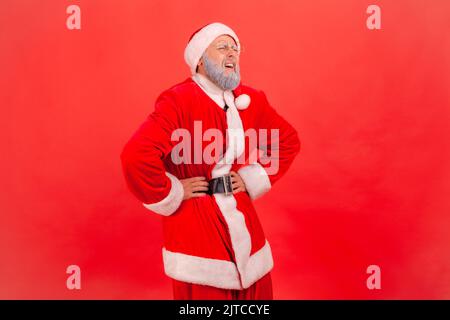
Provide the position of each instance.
(201, 39)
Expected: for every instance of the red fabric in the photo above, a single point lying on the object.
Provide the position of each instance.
(260, 290)
(198, 228)
(146, 157)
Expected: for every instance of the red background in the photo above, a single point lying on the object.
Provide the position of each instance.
(370, 185)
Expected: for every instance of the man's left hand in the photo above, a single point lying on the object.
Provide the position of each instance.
(237, 182)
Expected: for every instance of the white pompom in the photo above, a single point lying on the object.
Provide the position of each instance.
(242, 102)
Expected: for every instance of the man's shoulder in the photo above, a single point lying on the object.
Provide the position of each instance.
(182, 88)
(250, 91)
(188, 86)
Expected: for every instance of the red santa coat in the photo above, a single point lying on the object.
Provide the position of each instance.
(212, 240)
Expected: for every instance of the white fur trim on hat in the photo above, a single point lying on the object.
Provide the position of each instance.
(202, 39)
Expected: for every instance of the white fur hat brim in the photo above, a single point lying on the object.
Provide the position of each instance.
(202, 39)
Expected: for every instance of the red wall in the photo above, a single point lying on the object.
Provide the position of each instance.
(370, 185)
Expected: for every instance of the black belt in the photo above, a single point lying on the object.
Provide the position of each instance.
(221, 185)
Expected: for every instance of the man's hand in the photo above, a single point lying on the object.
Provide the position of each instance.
(194, 187)
(237, 182)
(197, 186)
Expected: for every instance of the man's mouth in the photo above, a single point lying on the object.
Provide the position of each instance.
(230, 65)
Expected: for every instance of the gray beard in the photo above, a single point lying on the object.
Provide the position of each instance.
(217, 75)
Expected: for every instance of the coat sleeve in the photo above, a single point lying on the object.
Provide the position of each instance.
(277, 150)
(142, 159)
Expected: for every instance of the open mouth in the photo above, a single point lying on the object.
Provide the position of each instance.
(230, 66)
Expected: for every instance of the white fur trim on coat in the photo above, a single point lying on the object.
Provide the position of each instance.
(217, 273)
(247, 269)
(256, 180)
(172, 201)
(202, 39)
(239, 234)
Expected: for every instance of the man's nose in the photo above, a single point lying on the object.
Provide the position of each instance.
(231, 53)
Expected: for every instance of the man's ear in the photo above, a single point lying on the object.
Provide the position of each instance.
(200, 63)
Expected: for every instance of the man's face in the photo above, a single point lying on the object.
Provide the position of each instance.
(220, 62)
(222, 52)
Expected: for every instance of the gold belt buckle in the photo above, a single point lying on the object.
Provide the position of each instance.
(227, 185)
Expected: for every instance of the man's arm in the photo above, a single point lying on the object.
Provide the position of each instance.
(279, 152)
(142, 160)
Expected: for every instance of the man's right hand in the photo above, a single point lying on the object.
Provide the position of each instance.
(194, 187)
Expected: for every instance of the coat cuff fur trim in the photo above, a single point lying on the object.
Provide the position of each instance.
(256, 180)
(172, 201)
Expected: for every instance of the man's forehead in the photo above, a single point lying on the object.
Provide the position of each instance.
(223, 37)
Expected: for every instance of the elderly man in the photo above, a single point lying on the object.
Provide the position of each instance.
(214, 245)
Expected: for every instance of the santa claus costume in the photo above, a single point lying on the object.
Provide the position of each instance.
(214, 246)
